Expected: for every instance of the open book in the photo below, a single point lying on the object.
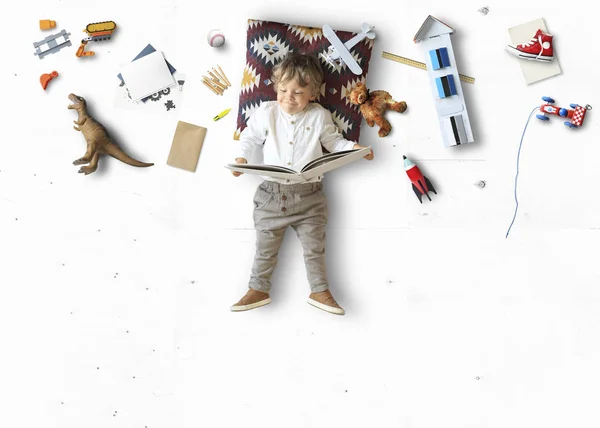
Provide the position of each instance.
(314, 168)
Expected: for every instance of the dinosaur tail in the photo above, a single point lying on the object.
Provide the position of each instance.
(113, 150)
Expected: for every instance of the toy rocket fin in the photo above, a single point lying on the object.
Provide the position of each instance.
(419, 193)
(424, 189)
(429, 185)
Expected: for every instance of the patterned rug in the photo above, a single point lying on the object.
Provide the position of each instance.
(268, 42)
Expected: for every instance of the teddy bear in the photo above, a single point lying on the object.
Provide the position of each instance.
(373, 105)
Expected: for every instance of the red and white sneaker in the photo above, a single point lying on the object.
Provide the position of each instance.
(539, 48)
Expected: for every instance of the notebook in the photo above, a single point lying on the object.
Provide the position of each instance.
(147, 75)
(146, 51)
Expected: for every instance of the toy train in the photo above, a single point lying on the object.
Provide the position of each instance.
(97, 32)
(576, 115)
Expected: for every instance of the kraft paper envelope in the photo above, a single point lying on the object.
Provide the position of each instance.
(186, 146)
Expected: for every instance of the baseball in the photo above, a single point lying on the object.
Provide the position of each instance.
(215, 38)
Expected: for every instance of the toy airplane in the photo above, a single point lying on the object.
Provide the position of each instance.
(576, 115)
(420, 184)
(339, 52)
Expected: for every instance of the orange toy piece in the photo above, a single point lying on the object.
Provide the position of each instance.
(46, 78)
(81, 49)
(46, 24)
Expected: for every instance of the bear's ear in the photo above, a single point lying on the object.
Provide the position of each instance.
(359, 85)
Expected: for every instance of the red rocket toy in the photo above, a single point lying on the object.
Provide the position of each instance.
(575, 116)
(420, 184)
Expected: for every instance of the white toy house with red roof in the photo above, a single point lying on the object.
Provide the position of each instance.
(434, 39)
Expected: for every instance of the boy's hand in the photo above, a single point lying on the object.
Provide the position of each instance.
(369, 156)
(239, 160)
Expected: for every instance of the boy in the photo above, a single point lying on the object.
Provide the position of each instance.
(292, 130)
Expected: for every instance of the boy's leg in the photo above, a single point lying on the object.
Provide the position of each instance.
(312, 235)
(269, 236)
(309, 224)
(268, 243)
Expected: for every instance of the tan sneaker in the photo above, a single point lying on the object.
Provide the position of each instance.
(252, 299)
(325, 301)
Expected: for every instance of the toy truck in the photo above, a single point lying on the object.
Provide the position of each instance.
(97, 32)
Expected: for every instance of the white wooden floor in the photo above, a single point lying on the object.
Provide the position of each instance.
(116, 286)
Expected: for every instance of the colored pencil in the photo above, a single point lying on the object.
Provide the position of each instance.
(210, 87)
(218, 75)
(224, 76)
(218, 83)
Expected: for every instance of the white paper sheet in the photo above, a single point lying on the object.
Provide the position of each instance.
(147, 75)
(166, 101)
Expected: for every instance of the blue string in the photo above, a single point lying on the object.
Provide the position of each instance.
(517, 175)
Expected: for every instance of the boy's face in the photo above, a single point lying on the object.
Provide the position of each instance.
(292, 97)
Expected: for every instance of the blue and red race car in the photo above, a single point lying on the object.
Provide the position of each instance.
(576, 115)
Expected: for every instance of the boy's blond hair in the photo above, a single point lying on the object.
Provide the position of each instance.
(306, 69)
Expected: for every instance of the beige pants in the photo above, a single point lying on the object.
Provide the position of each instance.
(304, 208)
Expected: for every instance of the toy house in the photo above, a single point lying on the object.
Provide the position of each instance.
(434, 38)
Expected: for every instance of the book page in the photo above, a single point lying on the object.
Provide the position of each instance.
(243, 167)
(266, 170)
(312, 169)
(320, 166)
(329, 157)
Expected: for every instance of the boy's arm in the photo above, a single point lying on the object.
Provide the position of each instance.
(368, 156)
(330, 136)
(253, 135)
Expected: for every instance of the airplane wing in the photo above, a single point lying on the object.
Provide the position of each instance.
(343, 52)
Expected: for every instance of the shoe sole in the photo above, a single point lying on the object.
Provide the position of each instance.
(330, 309)
(250, 306)
(514, 51)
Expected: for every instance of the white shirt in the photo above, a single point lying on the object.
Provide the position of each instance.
(291, 140)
